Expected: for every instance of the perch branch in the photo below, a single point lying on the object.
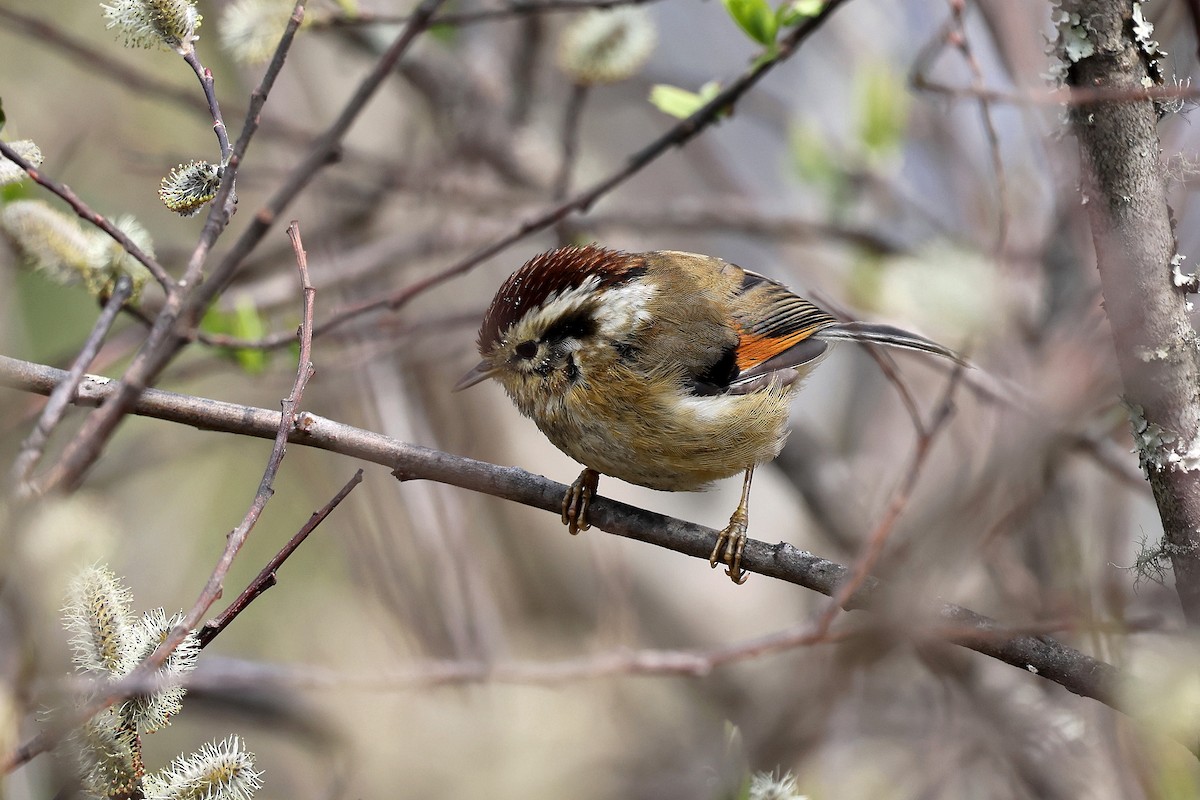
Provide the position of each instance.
(1050, 659)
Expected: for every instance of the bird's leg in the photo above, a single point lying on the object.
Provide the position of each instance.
(732, 540)
(578, 500)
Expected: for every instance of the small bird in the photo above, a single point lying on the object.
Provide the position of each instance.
(666, 369)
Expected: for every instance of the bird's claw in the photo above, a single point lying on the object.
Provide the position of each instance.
(730, 543)
(578, 500)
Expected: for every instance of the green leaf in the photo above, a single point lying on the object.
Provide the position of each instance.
(796, 11)
(812, 158)
(681, 103)
(446, 34)
(244, 322)
(882, 100)
(248, 324)
(755, 17)
(14, 191)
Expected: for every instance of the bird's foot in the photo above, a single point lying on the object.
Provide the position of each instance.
(730, 543)
(578, 500)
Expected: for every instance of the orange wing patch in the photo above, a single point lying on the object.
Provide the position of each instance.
(753, 349)
(771, 320)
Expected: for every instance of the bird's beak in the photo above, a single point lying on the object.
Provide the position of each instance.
(478, 374)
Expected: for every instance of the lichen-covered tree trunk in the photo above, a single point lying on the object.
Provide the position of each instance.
(1106, 48)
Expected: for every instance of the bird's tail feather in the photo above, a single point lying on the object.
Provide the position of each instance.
(871, 333)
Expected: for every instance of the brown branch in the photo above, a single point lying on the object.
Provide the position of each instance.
(85, 212)
(323, 151)
(1125, 189)
(266, 578)
(1053, 660)
(205, 76)
(865, 563)
(960, 40)
(116, 691)
(35, 443)
(164, 340)
(677, 136)
(213, 588)
(519, 8)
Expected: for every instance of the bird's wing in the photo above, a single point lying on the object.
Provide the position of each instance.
(776, 328)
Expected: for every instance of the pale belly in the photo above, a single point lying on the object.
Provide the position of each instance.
(681, 447)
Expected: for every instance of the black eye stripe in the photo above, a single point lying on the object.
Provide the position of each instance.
(526, 349)
(576, 326)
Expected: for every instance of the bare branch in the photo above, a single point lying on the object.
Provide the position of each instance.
(84, 210)
(677, 136)
(164, 339)
(34, 444)
(205, 76)
(865, 563)
(116, 691)
(266, 578)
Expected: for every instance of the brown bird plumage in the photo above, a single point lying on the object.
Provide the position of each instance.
(666, 369)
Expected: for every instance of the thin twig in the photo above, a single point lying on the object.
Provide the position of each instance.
(266, 577)
(231, 674)
(569, 150)
(205, 76)
(1063, 96)
(164, 340)
(213, 587)
(865, 563)
(322, 152)
(35, 444)
(679, 135)
(959, 39)
(84, 211)
(519, 8)
(885, 362)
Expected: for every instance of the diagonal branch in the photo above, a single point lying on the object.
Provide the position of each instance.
(584, 199)
(85, 212)
(35, 443)
(266, 577)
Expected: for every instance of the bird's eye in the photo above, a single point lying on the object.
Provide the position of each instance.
(526, 349)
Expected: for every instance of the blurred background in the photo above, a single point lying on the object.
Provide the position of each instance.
(863, 171)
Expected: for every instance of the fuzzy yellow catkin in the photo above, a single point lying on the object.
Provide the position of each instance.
(606, 46)
(223, 769)
(251, 29)
(188, 187)
(155, 23)
(97, 614)
(26, 149)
